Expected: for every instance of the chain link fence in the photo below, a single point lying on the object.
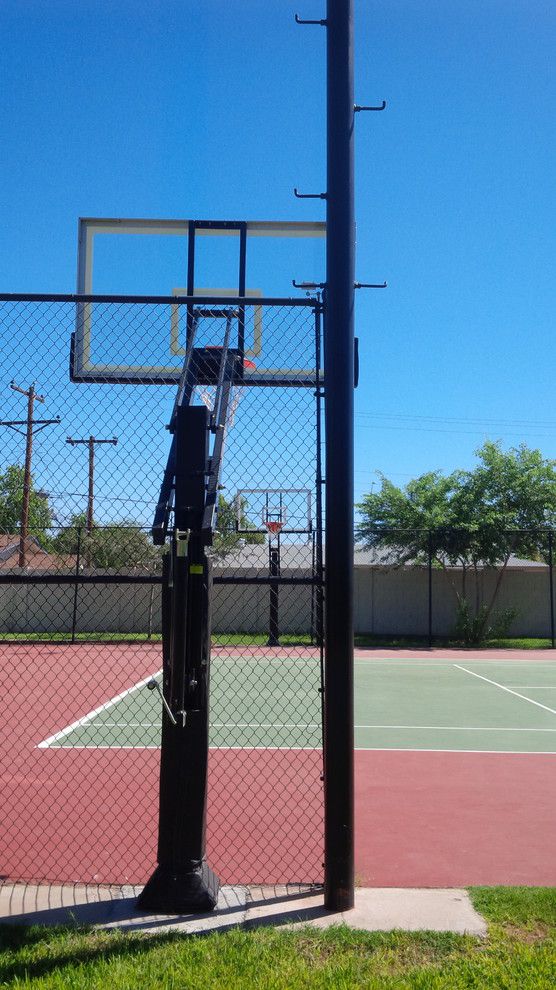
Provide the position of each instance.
(82, 461)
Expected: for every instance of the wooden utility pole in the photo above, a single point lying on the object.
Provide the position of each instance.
(90, 443)
(32, 426)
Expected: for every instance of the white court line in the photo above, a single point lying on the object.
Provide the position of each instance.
(85, 719)
(125, 725)
(497, 752)
(316, 725)
(214, 725)
(217, 749)
(358, 749)
(535, 687)
(450, 663)
(456, 728)
(504, 688)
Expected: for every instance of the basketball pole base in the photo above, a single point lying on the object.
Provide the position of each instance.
(191, 891)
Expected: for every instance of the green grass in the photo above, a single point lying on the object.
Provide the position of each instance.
(362, 640)
(374, 641)
(218, 639)
(518, 954)
(86, 637)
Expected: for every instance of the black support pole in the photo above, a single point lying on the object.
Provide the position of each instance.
(339, 384)
(274, 572)
(183, 880)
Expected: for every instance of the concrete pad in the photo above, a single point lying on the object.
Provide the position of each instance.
(411, 910)
(110, 907)
(376, 909)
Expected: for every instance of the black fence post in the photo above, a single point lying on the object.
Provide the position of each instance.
(274, 572)
(429, 543)
(551, 587)
(76, 586)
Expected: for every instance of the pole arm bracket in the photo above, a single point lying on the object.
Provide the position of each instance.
(357, 108)
(300, 20)
(308, 285)
(299, 195)
(370, 285)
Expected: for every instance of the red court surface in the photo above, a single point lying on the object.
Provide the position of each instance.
(422, 818)
(429, 819)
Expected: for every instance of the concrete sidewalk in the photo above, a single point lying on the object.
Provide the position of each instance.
(376, 909)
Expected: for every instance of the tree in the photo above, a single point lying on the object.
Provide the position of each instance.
(11, 499)
(468, 518)
(226, 538)
(119, 546)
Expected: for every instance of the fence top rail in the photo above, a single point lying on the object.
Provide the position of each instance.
(307, 302)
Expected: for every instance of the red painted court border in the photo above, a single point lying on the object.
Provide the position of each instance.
(455, 819)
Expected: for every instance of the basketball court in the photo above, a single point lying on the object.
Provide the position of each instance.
(455, 756)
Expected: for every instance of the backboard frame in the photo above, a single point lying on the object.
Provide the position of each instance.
(274, 504)
(83, 366)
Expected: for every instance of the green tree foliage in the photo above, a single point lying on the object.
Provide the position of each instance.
(11, 499)
(125, 546)
(122, 546)
(226, 538)
(468, 518)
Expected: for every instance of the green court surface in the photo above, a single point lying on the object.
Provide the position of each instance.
(272, 702)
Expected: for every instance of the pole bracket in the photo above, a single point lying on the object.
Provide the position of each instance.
(357, 108)
(299, 20)
(370, 285)
(182, 542)
(311, 286)
(299, 195)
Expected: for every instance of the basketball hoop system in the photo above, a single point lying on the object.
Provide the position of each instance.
(207, 395)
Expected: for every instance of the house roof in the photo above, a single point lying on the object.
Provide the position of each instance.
(36, 557)
(300, 556)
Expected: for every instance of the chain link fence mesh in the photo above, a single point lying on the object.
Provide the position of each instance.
(80, 597)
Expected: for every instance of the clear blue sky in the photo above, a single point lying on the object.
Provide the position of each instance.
(217, 109)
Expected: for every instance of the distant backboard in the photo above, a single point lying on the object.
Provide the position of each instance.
(258, 509)
(207, 259)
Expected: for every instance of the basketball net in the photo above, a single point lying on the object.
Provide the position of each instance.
(207, 395)
(274, 526)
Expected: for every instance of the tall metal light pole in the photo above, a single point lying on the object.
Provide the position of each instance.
(32, 426)
(339, 385)
(90, 443)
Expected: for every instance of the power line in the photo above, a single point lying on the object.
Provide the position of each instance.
(548, 424)
(433, 429)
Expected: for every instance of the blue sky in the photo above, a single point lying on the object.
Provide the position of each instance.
(217, 109)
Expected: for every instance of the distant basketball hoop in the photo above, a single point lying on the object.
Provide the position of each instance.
(274, 526)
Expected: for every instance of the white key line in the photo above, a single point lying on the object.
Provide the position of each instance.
(85, 719)
(504, 688)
